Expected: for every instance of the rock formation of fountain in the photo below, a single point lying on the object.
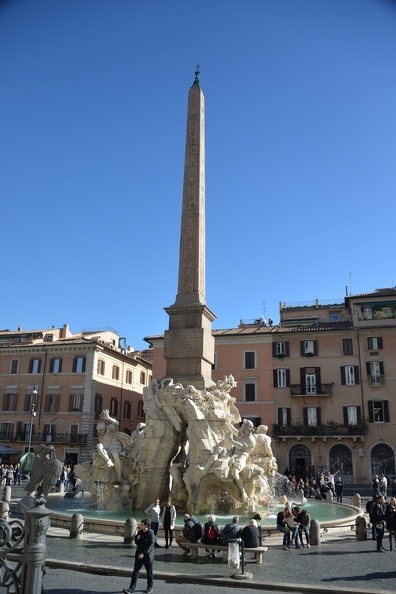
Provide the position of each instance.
(189, 448)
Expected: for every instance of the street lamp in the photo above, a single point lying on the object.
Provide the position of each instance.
(32, 413)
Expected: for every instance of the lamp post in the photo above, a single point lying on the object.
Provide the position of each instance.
(32, 414)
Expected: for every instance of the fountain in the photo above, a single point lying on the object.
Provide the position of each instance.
(189, 448)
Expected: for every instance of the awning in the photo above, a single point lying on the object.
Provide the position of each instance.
(4, 451)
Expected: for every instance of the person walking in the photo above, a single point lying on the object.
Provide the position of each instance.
(168, 521)
(144, 555)
(154, 512)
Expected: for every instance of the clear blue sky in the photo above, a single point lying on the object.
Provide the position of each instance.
(300, 156)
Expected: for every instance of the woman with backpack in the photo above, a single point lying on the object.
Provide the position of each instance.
(211, 535)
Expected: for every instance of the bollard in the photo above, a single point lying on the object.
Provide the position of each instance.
(61, 488)
(315, 532)
(130, 531)
(357, 501)
(7, 493)
(4, 511)
(34, 550)
(76, 526)
(361, 532)
(329, 497)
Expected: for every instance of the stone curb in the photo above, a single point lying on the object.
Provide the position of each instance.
(213, 581)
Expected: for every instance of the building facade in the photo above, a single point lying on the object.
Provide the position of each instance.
(323, 380)
(55, 384)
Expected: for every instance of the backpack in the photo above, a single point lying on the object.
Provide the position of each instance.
(211, 533)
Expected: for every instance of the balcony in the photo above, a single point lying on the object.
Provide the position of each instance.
(308, 390)
(66, 438)
(329, 429)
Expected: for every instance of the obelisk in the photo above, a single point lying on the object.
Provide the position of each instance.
(189, 344)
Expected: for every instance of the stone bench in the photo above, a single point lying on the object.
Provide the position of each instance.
(195, 546)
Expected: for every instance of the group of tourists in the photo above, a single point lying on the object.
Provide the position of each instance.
(382, 516)
(210, 534)
(10, 474)
(294, 523)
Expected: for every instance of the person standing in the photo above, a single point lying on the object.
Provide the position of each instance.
(339, 489)
(379, 516)
(391, 521)
(168, 521)
(154, 512)
(144, 555)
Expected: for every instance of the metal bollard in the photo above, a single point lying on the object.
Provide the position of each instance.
(315, 532)
(130, 531)
(357, 501)
(7, 493)
(361, 532)
(76, 526)
(4, 511)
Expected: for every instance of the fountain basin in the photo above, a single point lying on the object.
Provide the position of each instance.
(327, 514)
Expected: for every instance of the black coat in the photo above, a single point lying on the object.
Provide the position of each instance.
(145, 544)
(251, 536)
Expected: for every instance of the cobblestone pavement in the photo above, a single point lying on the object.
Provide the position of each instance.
(340, 563)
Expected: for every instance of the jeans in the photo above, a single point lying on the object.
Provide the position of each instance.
(136, 570)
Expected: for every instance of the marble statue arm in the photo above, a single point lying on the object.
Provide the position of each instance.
(105, 415)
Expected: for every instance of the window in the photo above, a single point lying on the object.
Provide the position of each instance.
(347, 346)
(350, 375)
(378, 411)
(127, 410)
(249, 360)
(335, 317)
(140, 412)
(75, 402)
(26, 431)
(375, 373)
(52, 403)
(73, 433)
(128, 377)
(101, 367)
(115, 374)
(351, 415)
(113, 407)
(30, 399)
(56, 365)
(310, 383)
(142, 378)
(250, 392)
(215, 362)
(367, 313)
(14, 366)
(98, 405)
(79, 365)
(374, 343)
(6, 430)
(312, 416)
(49, 432)
(255, 420)
(10, 402)
(309, 348)
(35, 366)
(280, 349)
(281, 378)
(284, 416)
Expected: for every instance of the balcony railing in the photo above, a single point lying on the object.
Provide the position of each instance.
(319, 430)
(308, 390)
(69, 438)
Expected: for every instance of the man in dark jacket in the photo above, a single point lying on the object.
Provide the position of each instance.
(144, 555)
(192, 532)
(230, 531)
(379, 516)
